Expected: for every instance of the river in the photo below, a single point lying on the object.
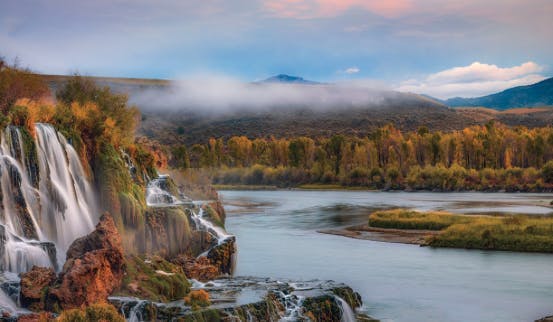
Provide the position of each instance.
(277, 236)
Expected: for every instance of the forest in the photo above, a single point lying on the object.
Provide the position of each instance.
(487, 157)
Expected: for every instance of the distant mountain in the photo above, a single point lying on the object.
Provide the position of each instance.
(539, 94)
(283, 78)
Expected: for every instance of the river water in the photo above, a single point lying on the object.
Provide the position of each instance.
(277, 236)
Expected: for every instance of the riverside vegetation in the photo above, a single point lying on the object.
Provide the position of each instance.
(491, 157)
(511, 233)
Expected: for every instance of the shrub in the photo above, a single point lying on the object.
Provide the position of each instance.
(197, 299)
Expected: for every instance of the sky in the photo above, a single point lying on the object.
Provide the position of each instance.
(443, 48)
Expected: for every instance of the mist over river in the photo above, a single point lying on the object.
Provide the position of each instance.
(277, 237)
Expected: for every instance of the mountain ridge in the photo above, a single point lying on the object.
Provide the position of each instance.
(288, 79)
(534, 95)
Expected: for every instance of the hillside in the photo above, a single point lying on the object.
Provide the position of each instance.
(189, 125)
(539, 94)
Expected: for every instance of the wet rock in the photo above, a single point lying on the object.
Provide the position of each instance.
(200, 269)
(34, 287)
(105, 236)
(93, 270)
(222, 256)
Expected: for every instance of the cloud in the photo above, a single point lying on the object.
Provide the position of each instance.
(476, 79)
(221, 94)
(352, 70)
(331, 8)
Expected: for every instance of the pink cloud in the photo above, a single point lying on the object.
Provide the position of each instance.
(330, 8)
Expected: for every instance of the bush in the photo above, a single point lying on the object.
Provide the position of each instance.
(197, 299)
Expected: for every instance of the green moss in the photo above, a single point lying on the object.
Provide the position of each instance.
(145, 163)
(31, 156)
(322, 308)
(214, 216)
(93, 313)
(351, 297)
(154, 279)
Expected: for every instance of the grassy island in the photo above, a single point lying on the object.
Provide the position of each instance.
(511, 233)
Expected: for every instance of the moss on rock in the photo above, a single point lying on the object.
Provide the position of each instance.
(94, 313)
(154, 279)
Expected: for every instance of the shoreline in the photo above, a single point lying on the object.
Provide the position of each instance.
(336, 187)
(387, 235)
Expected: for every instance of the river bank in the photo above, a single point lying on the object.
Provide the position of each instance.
(388, 235)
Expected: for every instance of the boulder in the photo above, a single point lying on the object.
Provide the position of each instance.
(34, 286)
(93, 270)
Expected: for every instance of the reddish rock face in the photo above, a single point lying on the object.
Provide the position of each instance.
(33, 287)
(94, 267)
(199, 269)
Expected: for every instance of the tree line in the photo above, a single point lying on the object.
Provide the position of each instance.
(487, 157)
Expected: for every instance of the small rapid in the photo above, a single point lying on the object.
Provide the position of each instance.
(248, 298)
(157, 194)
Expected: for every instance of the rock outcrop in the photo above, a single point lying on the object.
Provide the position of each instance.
(222, 256)
(200, 269)
(93, 270)
(34, 287)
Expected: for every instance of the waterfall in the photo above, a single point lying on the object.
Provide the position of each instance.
(157, 195)
(67, 200)
(347, 313)
(208, 226)
(46, 201)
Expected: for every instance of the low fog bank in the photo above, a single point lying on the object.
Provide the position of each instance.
(219, 95)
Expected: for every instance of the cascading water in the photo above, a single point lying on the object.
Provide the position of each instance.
(347, 312)
(67, 200)
(157, 195)
(208, 226)
(46, 201)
